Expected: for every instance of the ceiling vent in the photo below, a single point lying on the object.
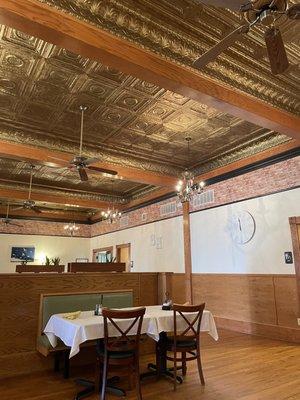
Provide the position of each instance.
(124, 221)
(144, 216)
(168, 209)
(204, 198)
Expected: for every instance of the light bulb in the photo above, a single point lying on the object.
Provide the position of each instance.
(202, 184)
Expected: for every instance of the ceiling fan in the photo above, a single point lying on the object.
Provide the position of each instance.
(81, 163)
(264, 12)
(30, 204)
(7, 220)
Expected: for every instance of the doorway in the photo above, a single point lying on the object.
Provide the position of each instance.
(103, 255)
(295, 232)
(123, 253)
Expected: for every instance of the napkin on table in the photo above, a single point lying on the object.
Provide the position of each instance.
(72, 315)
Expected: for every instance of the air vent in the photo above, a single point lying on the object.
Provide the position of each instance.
(204, 198)
(144, 217)
(124, 221)
(168, 208)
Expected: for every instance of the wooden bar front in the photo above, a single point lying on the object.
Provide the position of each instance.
(96, 267)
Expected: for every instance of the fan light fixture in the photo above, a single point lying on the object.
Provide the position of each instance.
(111, 215)
(186, 187)
(71, 228)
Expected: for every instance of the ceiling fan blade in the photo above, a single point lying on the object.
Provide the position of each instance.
(213, 53)
(36, 210)
(231, 4)
(276, 51)
(293, 12)
(90, 161)
(103, 170)
(83, 174)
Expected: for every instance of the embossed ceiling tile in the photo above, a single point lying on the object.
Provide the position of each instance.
(128, 100)
(174, 98)
(115, 116)
(58, 74)
(8, 103)
(183, 120)
(140, 125)
(17, 63)
(44, 92)
(159, 111)
(99, 70)
(147, 87)
(70, 122)
(98, 133)
(20, 38)
(11, 85)
(38, 113)
(75, 61)
(74, 101)
(99, 88)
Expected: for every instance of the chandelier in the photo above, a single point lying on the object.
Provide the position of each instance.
(71, 228)
(186, 187)
(111, 215)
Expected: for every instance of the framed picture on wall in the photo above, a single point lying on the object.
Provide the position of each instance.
(82, 260)
(19, 253)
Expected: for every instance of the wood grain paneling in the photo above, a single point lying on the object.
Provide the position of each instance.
(20, 295)
(178, 289)
(286, 300)
(256, 304)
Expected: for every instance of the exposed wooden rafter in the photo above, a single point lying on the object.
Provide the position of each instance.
(52, 25)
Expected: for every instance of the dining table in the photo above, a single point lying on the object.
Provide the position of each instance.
(89, 327)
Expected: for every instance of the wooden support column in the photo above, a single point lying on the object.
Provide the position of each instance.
(187, 252)
(295, 233)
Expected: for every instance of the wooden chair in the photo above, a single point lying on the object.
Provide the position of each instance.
(187, 341)
(123, 350)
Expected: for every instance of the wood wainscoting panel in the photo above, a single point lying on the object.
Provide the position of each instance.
(178, 288)
(20, 296)
(286, 297)
(148, 285)
(238, 297)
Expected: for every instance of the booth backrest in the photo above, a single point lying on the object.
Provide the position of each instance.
(68, 302)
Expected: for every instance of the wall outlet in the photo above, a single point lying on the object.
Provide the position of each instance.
(298, 320)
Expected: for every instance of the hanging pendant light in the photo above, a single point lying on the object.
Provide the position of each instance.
(186, 187)
(112, 214)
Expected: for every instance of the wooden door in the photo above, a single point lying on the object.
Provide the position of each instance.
(124, 254)
(295, 232)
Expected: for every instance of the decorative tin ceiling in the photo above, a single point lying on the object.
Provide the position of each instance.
(130, 122)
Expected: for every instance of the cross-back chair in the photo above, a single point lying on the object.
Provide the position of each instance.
(122, 348)
(186, 341)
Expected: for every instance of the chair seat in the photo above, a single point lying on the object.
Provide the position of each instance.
(192, 344)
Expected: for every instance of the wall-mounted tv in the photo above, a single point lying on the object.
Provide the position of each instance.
(22, 254)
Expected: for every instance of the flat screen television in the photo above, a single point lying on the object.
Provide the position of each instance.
(22, 253)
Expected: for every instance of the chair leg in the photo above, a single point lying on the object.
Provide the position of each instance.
(175, 370)
(137, 378)
(201, 376)
(98, 372)
(184, 364)
(66, 364)
(104, 379)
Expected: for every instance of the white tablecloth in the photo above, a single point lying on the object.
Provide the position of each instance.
(90, 327)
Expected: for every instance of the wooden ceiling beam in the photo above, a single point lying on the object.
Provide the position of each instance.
(38, 155)
(57, 27)
(47, 214)
(14, 194)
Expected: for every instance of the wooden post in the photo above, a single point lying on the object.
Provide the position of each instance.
(187, 252)
(295, 233)
(165, 284)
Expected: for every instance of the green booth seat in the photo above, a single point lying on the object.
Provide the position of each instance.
(68, 302)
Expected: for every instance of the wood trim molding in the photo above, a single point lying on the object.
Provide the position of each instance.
(294, 227)
(49, 157)
(122, 246)
(48, 23)
(187, 252)
(254, 328)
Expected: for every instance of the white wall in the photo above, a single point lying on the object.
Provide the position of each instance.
(214, 251)
(145, 256)
(67, 248)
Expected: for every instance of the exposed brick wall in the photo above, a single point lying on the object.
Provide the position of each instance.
(277, 177)
(29, 227)
(281, 176)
